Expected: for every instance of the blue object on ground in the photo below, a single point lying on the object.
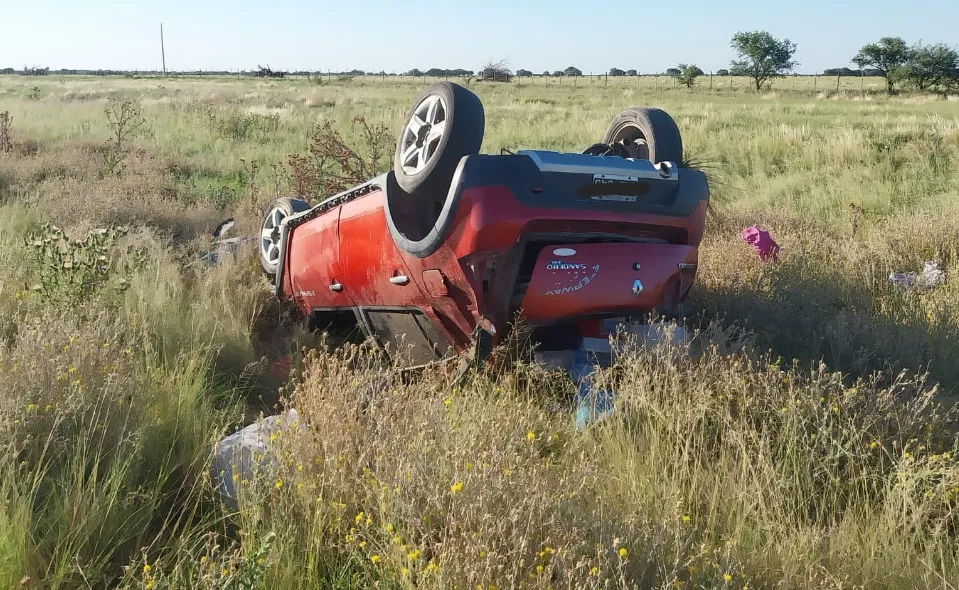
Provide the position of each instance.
(590, 405)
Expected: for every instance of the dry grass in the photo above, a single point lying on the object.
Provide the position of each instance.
(724, 468)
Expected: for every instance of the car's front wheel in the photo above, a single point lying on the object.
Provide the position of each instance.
(269, 242)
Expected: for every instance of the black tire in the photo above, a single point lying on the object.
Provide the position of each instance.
(287, 207)
(659, 135)
(465, 123)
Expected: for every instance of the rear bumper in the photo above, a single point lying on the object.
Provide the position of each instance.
(577, 281)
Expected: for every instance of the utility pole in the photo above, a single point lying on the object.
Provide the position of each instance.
(162, 49)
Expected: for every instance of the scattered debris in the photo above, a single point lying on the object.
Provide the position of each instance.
(762, 242)
(225, 248)
(930, 278)
(245, 455)
(223, 227)
(592, 405)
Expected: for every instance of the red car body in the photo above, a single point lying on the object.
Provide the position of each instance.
(562, 240)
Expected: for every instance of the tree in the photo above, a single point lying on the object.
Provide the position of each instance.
(933, 66)
(722, 72)
(632, 73)
(524, 73)
(496, 71)
(673, 72)
(687, 74)
(887, 56)
(762, 56)
(616, 72)
(571, 71)
(558, 74)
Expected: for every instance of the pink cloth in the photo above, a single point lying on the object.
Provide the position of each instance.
(762, 242)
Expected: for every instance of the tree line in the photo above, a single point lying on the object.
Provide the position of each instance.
(762, 57)
(759, 56)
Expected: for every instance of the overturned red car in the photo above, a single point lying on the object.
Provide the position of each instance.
(452, 244)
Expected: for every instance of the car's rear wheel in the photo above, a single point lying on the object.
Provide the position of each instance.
(269, 242)
(445, 123)
(646, 133)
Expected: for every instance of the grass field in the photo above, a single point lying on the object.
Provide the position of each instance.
(810, 443)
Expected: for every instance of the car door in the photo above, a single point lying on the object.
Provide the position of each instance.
(315, 273)
(381, 284)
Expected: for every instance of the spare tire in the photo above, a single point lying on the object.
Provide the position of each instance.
(647, 133)
(445, 123)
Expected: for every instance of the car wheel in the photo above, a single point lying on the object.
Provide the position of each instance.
(270, 230)
(646, 133)
(445, 123)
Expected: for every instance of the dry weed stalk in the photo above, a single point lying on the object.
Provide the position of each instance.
(6, 125)
(332, 166)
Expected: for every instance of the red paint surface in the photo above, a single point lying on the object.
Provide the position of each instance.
(599, 279)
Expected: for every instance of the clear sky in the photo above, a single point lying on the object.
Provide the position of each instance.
(371, 35)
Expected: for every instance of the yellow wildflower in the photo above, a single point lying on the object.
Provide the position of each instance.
(146, 568)
(431, 567)
(727, 577)
(530, 436)
(375, 558)
(456, 487)
(278, 484)
(594, 571)
(686, 518)
(623, 552)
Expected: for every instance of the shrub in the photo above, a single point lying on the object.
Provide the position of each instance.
(71, 271)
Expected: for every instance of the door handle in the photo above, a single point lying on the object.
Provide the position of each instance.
(336, 287)
(399, 280)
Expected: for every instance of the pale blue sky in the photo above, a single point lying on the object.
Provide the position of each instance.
(396, 36)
